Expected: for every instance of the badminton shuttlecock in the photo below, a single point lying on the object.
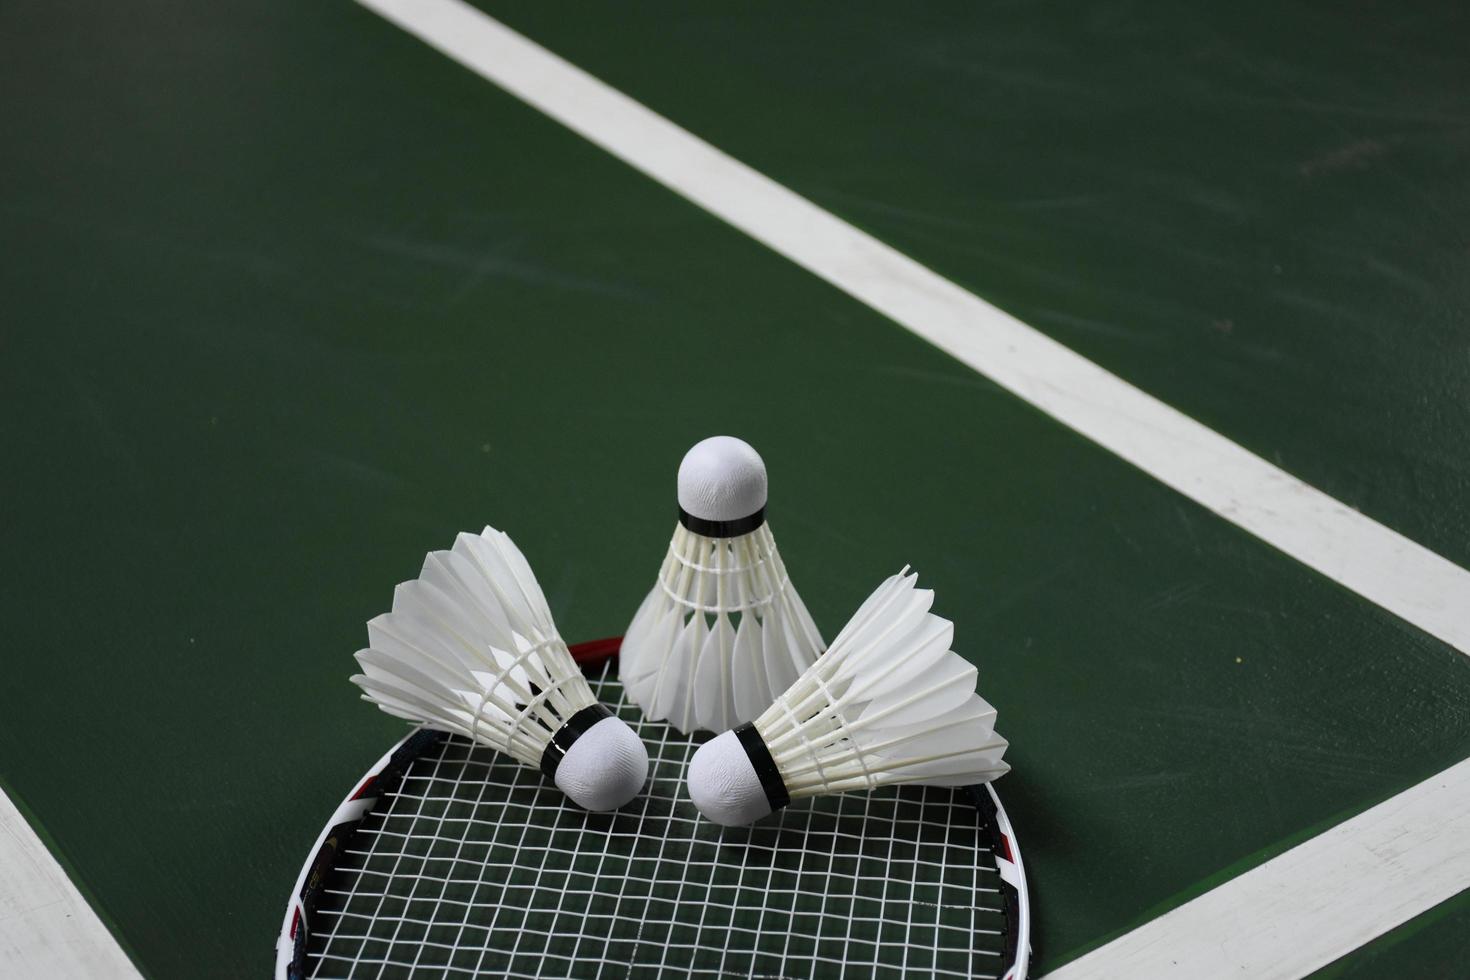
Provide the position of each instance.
(889, 702)
(470, 648)
(722, 631)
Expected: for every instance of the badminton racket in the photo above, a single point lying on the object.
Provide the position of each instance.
(450, 860)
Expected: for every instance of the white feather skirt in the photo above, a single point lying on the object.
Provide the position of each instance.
(720, 634)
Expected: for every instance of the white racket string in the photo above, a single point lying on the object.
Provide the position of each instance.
(474, 865)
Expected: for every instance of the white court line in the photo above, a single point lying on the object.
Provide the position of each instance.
(1302, 910)
(47, 930)
(1363, 555)
(1347, 547)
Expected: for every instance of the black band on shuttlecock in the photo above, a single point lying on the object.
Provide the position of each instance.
(574, 728)
(764, 766)
(722, 529)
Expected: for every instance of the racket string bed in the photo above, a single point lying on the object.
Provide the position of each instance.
(474, 866)
(360, 950)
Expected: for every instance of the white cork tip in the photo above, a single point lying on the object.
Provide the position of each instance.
(724, 785)
(605, 768)
(722, 479)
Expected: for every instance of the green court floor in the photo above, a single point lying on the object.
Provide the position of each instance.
(290, 298)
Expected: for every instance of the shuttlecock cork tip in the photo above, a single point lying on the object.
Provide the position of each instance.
(724, 784)
(605, 768)
(722, 487)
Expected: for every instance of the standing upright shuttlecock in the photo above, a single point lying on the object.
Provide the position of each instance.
(470, 648)
(684, 656)
(889, 702)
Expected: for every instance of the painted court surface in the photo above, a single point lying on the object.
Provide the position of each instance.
(290, 297)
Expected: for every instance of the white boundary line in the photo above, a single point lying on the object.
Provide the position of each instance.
(1323, 898)
(47, 929)
(1379, 564)
(1393, 845)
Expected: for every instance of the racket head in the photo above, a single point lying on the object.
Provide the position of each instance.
(441, 837)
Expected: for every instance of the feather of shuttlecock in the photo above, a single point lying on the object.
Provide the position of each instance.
(889, 702)
(470, 648)
(723, 630)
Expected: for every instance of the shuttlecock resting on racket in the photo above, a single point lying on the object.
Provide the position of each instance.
(722, 631)
(889, 702)
(470, 648)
